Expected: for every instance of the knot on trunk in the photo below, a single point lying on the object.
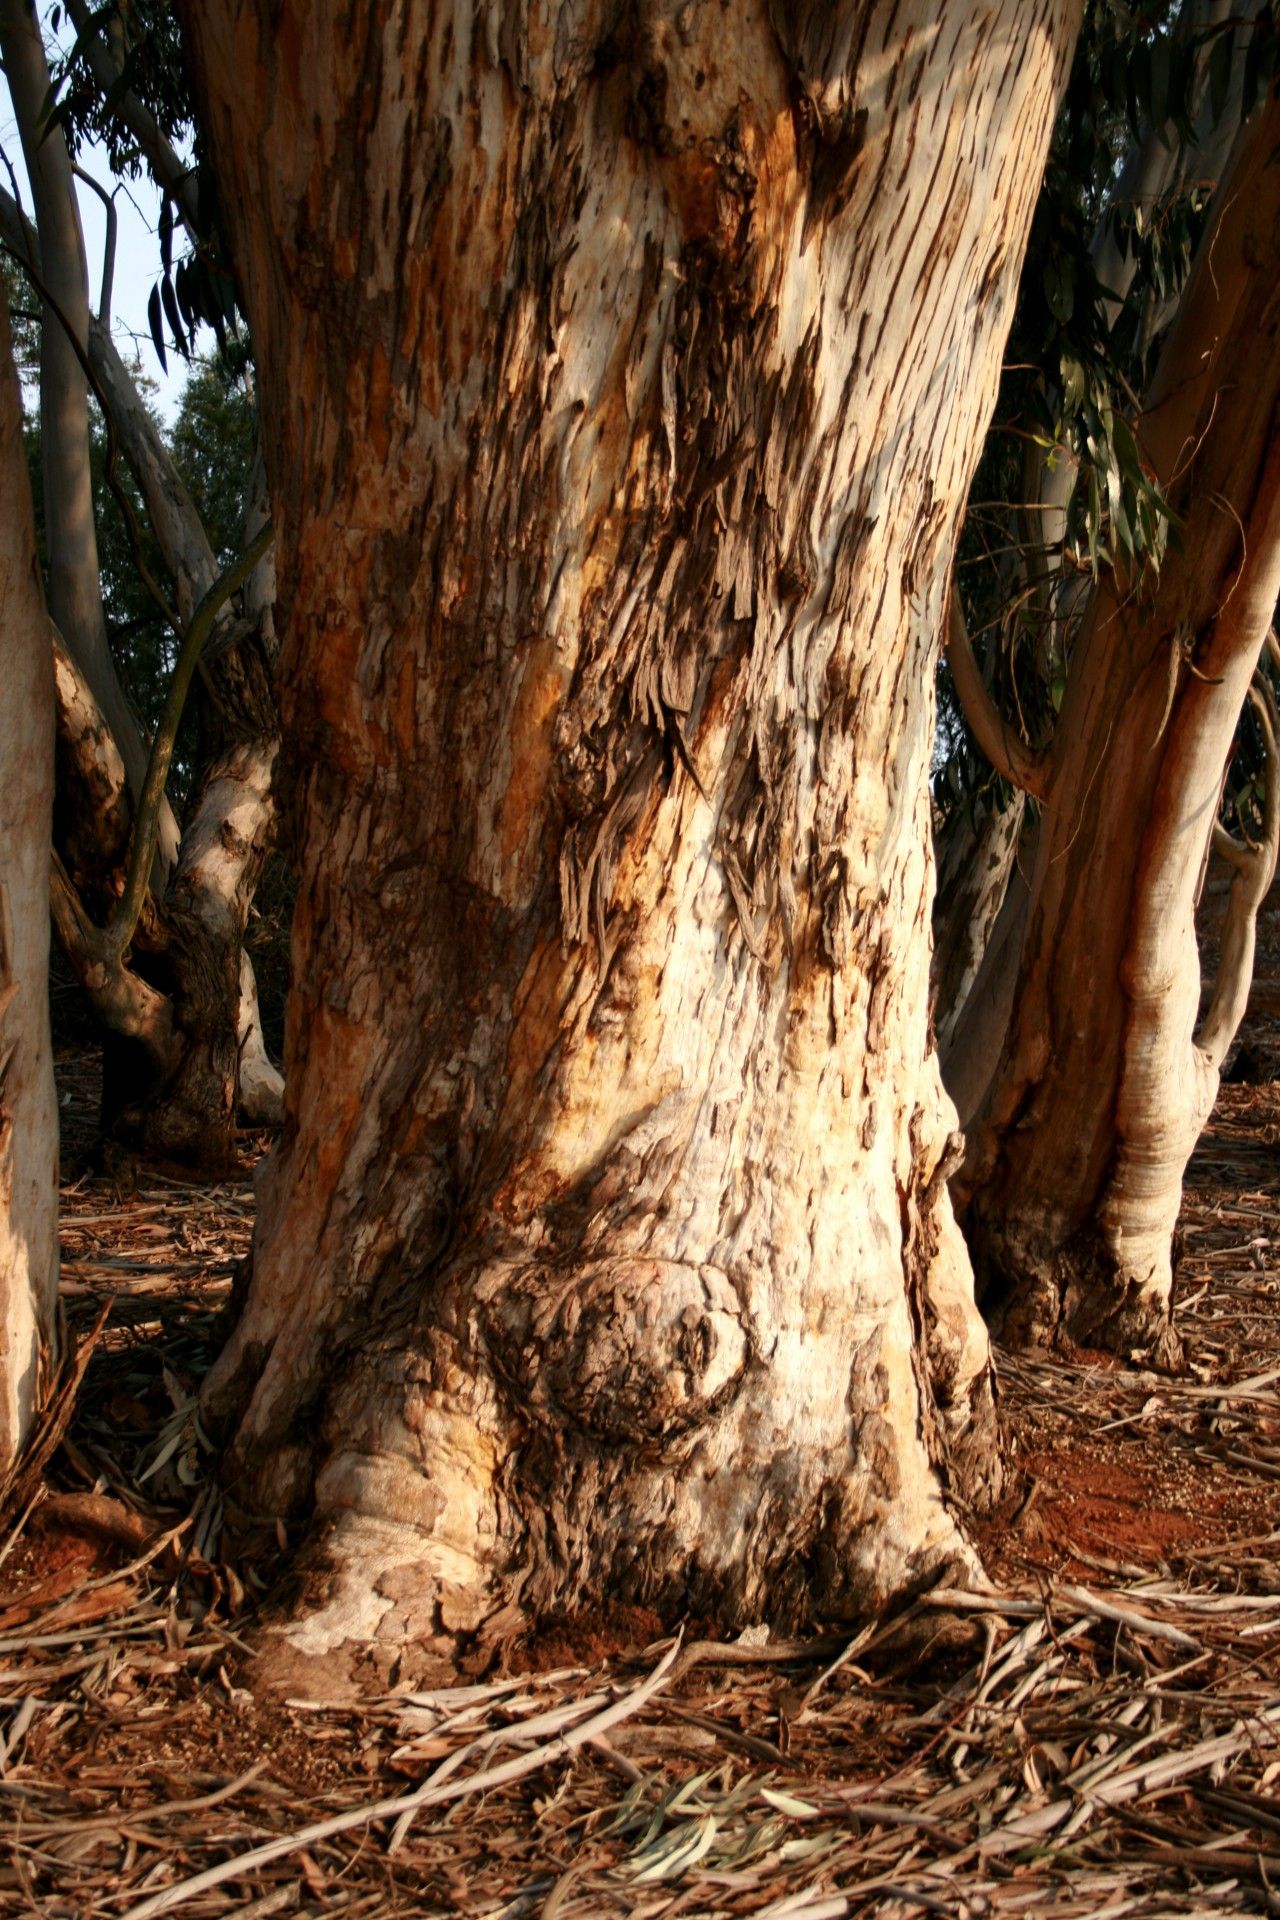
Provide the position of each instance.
(628, 1350)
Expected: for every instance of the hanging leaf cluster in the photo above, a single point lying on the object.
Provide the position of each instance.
(198, 289)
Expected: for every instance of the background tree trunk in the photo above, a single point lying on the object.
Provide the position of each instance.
(75, 596)
(28, 1103)
(171, 1074)
(1075, 1172)
(623, 375)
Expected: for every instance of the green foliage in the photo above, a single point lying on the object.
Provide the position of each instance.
(144, 37)
(1135, 74)
(196, 288)
(213, 443)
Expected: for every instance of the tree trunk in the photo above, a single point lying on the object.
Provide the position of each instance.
(206, 912)
(206, 907)
(1075, 1173)
(624, 372)
(75, 595)
(176, 1027)
(976, 859)
(28, 1103)
(260, 1090)
(971, 1045)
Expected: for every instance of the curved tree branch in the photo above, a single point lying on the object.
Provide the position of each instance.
(109, 246)
(123, 1002)
(1022, 766)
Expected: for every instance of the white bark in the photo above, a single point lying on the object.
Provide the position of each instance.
(207, 909)
(28, 1104)
(261, 1094)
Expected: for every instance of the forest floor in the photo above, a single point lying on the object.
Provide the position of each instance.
(1099, 1737)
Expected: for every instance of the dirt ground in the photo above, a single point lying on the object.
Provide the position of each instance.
(1099, 1735)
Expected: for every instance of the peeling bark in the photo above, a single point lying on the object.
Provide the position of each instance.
(28, 1103)
(623, 377)
(1075, 1174)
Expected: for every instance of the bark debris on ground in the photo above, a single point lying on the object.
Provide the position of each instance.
(1098, 1736)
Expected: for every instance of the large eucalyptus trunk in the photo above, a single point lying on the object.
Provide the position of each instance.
(1076, 1164)
(624, 368)
(28, 1104)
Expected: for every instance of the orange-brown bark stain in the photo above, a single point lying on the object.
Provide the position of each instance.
(537, 704)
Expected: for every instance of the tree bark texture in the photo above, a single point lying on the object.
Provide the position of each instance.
(179, 1017)
(624, 368)
(260, 1083)
(1075, 1171)
(28, 1103)
(206, 912)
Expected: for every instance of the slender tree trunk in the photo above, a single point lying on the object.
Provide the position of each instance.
(624, 370)
(28, 1104)
(976, 859)
(971, 1046)
(75, 595)
(206, 913)
(971, 909)
(1075, 1173)
(206, 908)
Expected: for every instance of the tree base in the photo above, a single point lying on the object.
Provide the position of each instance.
(629, 1439)
(1080, 1297)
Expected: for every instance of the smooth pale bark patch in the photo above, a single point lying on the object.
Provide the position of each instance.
(624, 374)
(206, 911)
(260, 1095)
(28, 1104)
